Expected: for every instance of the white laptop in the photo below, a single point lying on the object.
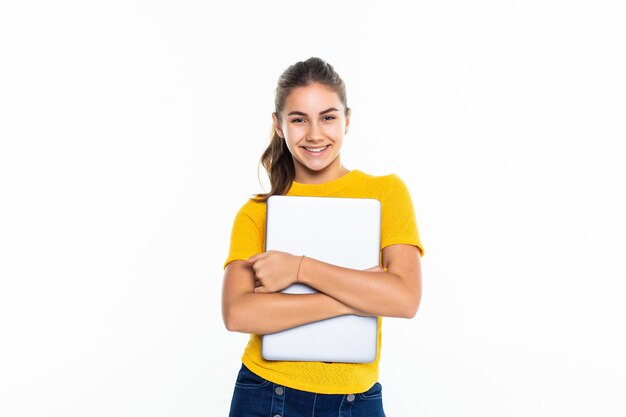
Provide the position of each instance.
(339, 231)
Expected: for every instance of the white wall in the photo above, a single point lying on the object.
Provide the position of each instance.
(130, 134)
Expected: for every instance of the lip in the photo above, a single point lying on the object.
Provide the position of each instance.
(316, 147)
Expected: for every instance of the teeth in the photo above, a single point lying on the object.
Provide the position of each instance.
(316, 149)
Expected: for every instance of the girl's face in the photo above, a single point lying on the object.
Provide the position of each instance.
(313, 123)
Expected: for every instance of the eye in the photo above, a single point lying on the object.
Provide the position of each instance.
(297, 120)
(327, 118)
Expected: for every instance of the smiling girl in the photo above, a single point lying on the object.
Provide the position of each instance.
(310, 121)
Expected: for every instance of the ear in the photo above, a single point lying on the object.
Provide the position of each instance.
(348, 113)
(277, 127)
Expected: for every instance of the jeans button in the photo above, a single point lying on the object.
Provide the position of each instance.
(279, 391)
(350, 398)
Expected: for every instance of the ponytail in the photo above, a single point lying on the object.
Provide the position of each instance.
(278, 163)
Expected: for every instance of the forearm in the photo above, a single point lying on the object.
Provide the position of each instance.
(372, 293)
(269, 313)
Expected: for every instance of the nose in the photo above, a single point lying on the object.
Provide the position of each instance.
(314, 133)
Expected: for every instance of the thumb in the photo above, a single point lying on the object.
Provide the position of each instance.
(254, 258)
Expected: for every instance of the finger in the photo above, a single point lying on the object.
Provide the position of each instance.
(261, 289)
(255, 258)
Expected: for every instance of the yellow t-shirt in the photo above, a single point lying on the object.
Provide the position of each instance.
(248, 238)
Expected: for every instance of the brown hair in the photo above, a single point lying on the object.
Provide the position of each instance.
(277, 159)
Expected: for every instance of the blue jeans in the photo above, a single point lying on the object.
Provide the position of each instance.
(258, 397)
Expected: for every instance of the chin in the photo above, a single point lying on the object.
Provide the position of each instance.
(316, 168)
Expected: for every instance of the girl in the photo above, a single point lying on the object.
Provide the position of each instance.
(303, 159)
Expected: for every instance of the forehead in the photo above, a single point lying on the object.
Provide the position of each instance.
(313, 97)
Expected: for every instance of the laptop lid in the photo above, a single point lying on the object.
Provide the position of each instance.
(340, 231)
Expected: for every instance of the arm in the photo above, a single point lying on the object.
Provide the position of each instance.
(244, 310)
(394, 293)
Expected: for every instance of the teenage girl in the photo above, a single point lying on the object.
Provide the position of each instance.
(303, 159)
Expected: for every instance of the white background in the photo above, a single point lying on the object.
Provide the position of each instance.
(130, 135)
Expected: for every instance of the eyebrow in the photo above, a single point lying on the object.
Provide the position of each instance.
(299, 113)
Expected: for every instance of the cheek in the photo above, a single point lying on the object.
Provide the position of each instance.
(294, 132)
(290, 146)
(336, 132)
(292, 142)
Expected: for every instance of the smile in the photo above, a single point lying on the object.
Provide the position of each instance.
(316, 150)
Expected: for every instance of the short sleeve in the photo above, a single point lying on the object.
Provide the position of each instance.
(247, 237)
(398, 216)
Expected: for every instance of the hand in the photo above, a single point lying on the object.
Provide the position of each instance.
(274, 270)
